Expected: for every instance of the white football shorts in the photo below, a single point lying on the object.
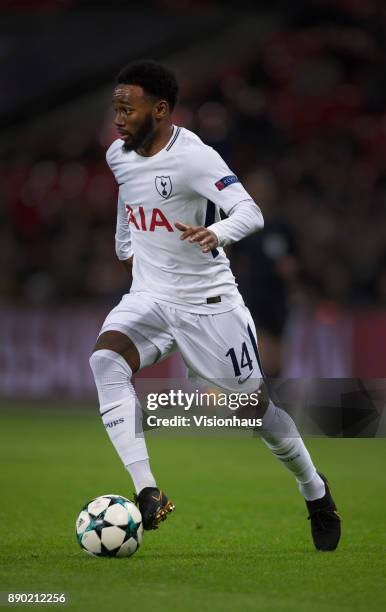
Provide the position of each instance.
(219, 348)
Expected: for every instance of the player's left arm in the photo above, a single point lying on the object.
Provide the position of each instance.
(211, 177)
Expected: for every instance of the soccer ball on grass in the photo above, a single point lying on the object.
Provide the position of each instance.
(109, 526)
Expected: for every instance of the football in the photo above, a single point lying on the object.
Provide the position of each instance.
(109, 526)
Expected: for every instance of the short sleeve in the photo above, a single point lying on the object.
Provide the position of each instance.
(113, 158)
(209, 175)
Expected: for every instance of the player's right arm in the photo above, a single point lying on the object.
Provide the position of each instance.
(123, 247)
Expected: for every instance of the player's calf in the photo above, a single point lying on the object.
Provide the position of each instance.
(119, 407)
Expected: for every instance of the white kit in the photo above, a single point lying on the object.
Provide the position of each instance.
(181, 297)
(187, 181)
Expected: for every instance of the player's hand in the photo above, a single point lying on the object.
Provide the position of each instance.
(198, 233)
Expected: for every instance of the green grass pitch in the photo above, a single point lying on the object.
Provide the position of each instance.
(238, 540)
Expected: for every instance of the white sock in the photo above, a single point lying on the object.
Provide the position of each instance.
(314, 489)
(141, 475)
(121, 413)
(280, 434)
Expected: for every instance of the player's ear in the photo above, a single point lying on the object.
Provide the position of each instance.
(161, 109)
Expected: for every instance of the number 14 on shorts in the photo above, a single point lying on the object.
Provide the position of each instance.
(245, 362)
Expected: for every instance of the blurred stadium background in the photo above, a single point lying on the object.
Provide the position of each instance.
(292, 94)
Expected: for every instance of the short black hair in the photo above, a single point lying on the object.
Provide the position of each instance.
(155, 79)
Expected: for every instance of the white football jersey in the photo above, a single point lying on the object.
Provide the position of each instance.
(187, 181)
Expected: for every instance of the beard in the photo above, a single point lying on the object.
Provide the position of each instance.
(142, 137)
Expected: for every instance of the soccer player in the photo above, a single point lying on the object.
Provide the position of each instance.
(183, 296)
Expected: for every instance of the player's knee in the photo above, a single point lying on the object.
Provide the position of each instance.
(263, 400)
(99, 365)
(255, 408)
(109, 368)
(119, 343)
(112, 377)
(96, 363)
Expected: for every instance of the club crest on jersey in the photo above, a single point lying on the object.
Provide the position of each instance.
(164, 186)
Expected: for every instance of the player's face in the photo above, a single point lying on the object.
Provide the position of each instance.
(133, 116)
